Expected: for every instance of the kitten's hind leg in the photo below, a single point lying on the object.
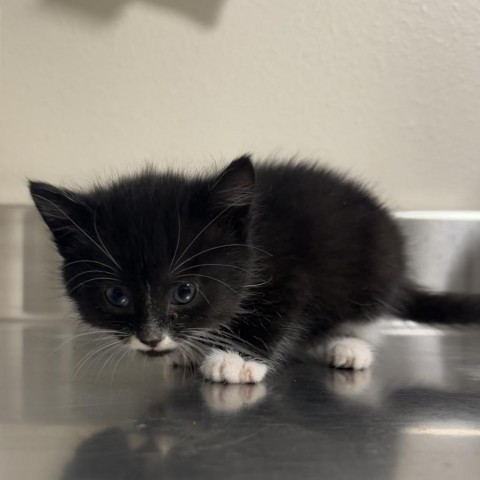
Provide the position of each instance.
(348, 352)
(349, 346)
(352, 345)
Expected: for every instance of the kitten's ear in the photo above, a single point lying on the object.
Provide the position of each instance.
(234, 185)
(61, 209)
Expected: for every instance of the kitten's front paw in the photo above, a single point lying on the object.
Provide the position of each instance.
(230, 367)
(349, 353)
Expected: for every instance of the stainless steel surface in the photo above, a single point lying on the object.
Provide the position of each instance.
(416, 415)
(443, 248)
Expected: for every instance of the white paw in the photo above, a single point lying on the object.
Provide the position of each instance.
(349, 353)
(230, 367)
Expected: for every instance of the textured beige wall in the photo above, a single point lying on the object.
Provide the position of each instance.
(387, 89)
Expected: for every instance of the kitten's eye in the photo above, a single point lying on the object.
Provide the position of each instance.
(184, 293)
(118, 296)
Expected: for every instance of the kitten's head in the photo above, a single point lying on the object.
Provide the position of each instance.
(160, 259)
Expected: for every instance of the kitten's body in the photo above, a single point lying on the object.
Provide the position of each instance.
(283, 259)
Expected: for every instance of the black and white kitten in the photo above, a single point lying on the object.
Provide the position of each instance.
(239, 270)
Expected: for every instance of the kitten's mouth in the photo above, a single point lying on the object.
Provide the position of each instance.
(156, 349)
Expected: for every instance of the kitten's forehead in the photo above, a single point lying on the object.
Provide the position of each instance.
(154, 224)
(149, 221)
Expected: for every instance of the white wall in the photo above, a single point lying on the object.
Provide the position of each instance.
(388, 89)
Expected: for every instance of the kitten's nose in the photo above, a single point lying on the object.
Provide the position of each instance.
(151, 340)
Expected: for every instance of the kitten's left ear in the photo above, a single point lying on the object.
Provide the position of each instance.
(62, 210)
(234, 185)
(55, 204)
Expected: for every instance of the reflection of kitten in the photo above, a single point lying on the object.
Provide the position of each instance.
(214, 431)
(236, 270)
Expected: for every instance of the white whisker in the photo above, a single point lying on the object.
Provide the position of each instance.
(228, 245)
(79, 228)
(214, 219)
(89, 271)
(203, 295)
(228, 333)
(198, 265)
(107, 352)
(253, 285)
(89, 261)
(211, 278)
(194, 347)
(116, 349)
(90, 355)
(178, 240)
(91, 280)
(104, 334)
(210, 338)
(101, 241)
(118, 362)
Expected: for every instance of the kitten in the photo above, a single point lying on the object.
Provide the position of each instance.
(240, 270)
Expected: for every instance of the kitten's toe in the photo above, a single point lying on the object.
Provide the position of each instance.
(253, 372)
(230, 367)
(349, 353)
(222, 366)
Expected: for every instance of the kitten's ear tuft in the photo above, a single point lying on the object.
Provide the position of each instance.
(234, 185)
(60, 208)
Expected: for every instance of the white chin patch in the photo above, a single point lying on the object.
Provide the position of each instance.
(166, 344)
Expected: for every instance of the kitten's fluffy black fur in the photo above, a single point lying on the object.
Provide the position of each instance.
(281, 254)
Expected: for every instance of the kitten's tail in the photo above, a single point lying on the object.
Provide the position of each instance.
(440, 308)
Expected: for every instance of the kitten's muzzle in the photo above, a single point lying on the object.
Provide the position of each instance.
(152, 343)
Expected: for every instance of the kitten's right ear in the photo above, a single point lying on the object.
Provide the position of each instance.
(234, 185)
(61, 209)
